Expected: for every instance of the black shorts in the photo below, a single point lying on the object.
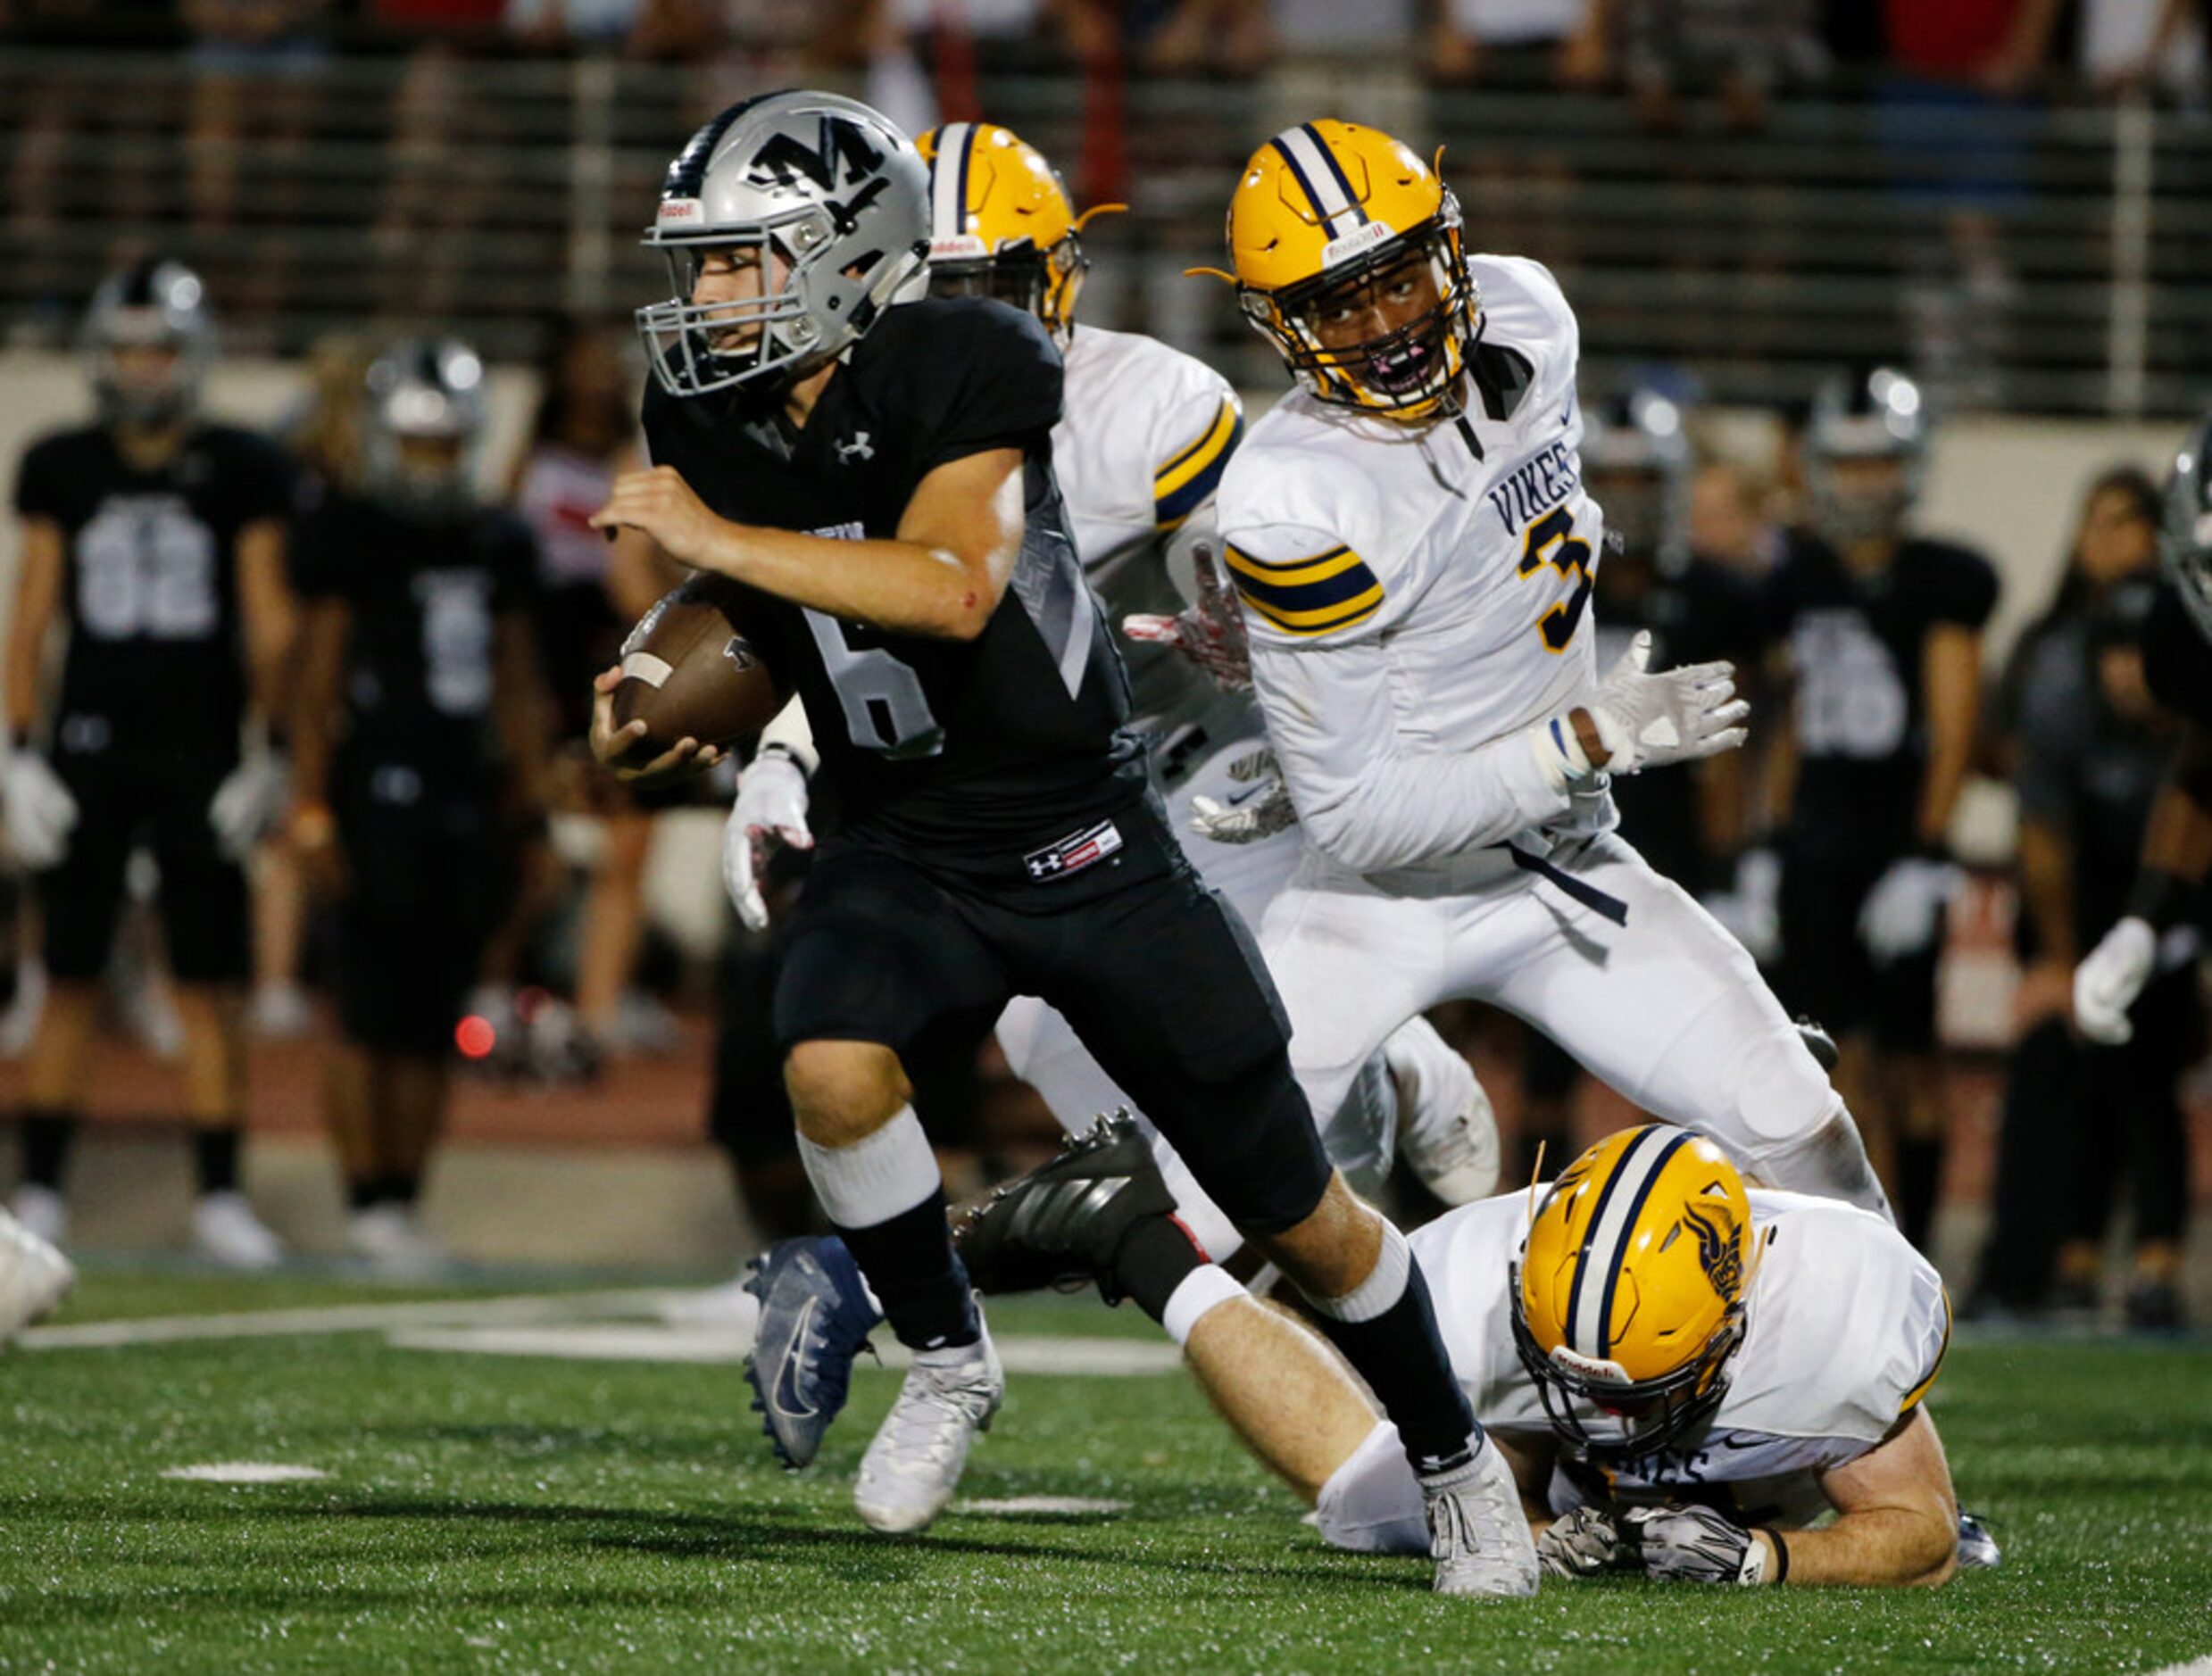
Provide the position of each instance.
(1154, 972)
(160, 801)
(1826, 971)
(429, 874)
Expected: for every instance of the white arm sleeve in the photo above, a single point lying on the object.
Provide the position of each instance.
(793, 731)
(1365, 799)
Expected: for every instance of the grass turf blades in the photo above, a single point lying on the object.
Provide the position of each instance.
(504, 1513)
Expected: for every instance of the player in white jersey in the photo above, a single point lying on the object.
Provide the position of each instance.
(1146, 433)
(1686, 1377)
(1414, 548)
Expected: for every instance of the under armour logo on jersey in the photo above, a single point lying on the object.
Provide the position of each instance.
(859, 448)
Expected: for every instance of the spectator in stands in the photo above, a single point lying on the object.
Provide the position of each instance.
(1742, 49)
(2089, 751)
(418, 753)
(2125, 44)
(254, 64)
(1528, 42)
(590, 592)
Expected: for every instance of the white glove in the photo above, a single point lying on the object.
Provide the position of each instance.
(2110, 977)
(1210, 634)
(1260, 813)
(246, 804)
(1584, 1543)
(770, 810)
(1903, 912)
(41, 812)
(1693, 1545)
(1646, 721)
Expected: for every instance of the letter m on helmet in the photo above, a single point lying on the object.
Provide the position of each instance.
(843, 153)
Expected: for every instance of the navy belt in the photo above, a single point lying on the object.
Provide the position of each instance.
(1592, 898)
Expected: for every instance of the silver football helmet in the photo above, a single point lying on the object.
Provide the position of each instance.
(428, 391)
(152, 304)
(824, 198)
(2185, 544)
(1884, 416)
(1635, 460)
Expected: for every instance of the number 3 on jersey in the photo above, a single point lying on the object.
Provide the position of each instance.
(1551, 541)
(885, 707)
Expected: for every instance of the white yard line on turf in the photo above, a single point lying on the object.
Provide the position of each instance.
(2195, 1667)
(265, 1324)
(1108, 1359)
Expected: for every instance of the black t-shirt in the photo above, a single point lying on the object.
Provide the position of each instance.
(150, 588)
(1696, 615)
(2177, 658)
(962, 756)
(1856, 643)
(426, 597)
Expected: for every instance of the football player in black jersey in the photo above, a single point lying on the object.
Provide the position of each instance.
(156, 539)
(418, 735)
(877, 483)
(2177, 845)
(1882, 633)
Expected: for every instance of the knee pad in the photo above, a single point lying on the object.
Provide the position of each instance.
(1781, 1092)
(1259, 1156)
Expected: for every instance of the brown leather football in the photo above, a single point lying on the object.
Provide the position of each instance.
(690, 672)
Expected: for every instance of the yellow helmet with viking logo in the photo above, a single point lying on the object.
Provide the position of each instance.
(1000, 224)
(1629, 1295)
(1327, 214)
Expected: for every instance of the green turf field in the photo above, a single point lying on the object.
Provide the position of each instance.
(531, 1513)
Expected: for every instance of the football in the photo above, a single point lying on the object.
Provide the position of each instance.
(689, 671)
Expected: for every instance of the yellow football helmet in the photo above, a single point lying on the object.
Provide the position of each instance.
(1324, 209)
(1001, 224)
(1629, 1295)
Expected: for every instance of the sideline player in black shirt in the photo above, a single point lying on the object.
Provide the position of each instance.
(156, 539)
(419, 739)
(1882, 633)
(2177, 845)
(877, 482)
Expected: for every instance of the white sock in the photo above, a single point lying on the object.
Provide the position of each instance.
(877, 1177)
(1382, 1288)
(1195, 1298)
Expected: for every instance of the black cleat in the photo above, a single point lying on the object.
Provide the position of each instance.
(1818, 1042)
(1062, 1224)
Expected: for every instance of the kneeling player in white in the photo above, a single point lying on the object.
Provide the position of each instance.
(1146, 435)
(1683, 1375)
(1415, 550)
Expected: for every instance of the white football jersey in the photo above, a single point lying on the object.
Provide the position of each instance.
(1844, 1332)
(1145, 434)
(1420, 597)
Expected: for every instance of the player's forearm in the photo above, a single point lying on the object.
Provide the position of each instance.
(269, 615)
(1953, 671)
(2178, 838)
(21, 699)
(37, 594)
(1877, 1547)
(900, 586)
(313, 711)
(2047, 887)
(1406, 809)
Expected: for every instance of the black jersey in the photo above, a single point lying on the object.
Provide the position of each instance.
(1856, 644)
(2177, 658)
(1696, 615)
(150, 590)
(424, 597)
(962, 755)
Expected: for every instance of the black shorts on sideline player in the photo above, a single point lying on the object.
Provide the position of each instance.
(427, 880)
(1826, 971)
(1154, 971)
(160, 801)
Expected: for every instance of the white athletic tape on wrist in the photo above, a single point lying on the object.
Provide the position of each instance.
(1393, 1265)
(881, 1176)
(1195, 1298)
(1559, 753)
